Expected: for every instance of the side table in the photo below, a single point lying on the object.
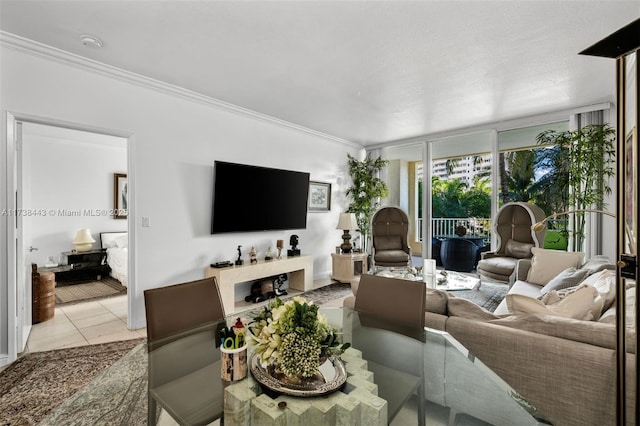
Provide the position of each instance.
(346, 267)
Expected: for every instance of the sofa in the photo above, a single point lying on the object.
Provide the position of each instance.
(556, 350)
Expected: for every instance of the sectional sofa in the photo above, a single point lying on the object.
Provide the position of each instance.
(556, 350)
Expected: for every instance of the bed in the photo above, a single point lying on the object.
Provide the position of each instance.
(115, 243)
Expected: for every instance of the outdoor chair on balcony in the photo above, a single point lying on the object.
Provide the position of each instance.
(389, 232)
(515, 238)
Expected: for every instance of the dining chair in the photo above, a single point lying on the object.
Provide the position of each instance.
(397, 305)
(170, 310)
(395, 300)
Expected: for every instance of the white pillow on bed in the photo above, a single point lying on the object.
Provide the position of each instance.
(122, 241)
(109, 244)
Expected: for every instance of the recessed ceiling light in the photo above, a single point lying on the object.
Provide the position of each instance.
(91, 41)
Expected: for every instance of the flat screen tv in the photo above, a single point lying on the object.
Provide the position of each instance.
(252, 198)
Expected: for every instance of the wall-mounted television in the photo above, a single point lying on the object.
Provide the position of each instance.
(252, 198)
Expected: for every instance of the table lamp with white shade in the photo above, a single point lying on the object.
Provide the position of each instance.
(347, 222)
(83, 240)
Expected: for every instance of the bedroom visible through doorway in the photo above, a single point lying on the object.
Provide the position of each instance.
(70, 177)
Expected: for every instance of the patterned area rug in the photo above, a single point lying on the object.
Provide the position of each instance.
(74, 293)
(34, 385)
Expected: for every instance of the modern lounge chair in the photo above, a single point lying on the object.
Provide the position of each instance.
(389, 232)
(512, 228)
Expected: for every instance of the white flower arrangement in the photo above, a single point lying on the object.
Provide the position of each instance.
(293, 335)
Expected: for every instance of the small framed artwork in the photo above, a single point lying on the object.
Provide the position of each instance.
(319, 196)
(120, 193)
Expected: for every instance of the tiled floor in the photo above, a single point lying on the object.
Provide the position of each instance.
(85, 323)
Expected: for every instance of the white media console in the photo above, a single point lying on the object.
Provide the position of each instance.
(299, 268)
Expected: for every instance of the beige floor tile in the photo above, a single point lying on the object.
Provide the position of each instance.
(94, 320)
(83, 310)
(96, 331)
(115, 336)
(60, 340)
(59, 318)
(47, 332)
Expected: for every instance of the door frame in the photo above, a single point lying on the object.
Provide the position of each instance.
(15, 256)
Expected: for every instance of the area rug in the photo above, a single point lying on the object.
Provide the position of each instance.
(35, 384)
(117, 396)
(488, 296)
(88, 291)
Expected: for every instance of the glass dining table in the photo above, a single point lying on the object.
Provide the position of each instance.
(394, 375)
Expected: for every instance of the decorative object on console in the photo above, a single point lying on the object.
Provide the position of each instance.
(319, 196)
(268, 254)
(294, 251)
(253, 255)
(460, 231)
(239, 260)
(83, 240)
(279, 246)
(346, 222)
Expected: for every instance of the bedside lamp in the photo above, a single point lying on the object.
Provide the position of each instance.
(83, 240)
(346, 222)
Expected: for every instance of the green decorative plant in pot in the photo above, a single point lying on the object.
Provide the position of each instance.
(365, 192)
(579, 164)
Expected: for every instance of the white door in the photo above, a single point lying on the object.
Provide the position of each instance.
(24, 214)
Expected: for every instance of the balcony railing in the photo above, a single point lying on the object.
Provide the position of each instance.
(441, 226)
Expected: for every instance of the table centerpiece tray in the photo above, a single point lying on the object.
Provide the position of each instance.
(329, 378)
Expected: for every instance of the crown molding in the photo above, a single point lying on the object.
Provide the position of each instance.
(43, 51)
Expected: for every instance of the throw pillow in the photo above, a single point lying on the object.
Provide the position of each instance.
(570, 277)
(598, 263)
(583, 304)
(606, 286)
(517, 249)
(554, 296)
(547, 264)
(459, 307)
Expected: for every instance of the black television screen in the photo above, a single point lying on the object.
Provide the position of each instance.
(252, 198)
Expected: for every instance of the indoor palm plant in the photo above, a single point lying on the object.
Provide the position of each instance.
(579, 164)
(366, 191)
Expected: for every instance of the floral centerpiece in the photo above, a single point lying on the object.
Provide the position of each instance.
(292, 337)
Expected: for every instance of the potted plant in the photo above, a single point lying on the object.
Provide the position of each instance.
(365, 192)
(580, 164)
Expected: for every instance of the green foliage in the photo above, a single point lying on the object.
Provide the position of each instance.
(365, 190)
(454, 198)
(578, 169)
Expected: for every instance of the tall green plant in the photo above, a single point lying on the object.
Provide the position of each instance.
(584, 161)
(366, 190)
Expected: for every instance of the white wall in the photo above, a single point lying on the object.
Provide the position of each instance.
(174, 142)
(70, 179)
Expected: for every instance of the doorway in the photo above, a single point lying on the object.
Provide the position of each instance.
(64, 167)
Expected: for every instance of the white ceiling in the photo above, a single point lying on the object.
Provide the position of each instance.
(363, 71)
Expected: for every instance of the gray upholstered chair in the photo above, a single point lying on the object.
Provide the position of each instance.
(389, 232)
(171, 310)
(512, 229)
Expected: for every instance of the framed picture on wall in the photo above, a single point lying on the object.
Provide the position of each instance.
(319, 196)
(120, 194)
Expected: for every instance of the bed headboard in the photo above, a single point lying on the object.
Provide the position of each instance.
(107, 239)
